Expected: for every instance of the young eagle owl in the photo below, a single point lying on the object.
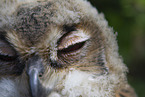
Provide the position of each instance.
(58, 48)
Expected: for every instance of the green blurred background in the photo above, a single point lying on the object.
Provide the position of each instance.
(127, 17)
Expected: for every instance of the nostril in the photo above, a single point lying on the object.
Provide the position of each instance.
(40, 74)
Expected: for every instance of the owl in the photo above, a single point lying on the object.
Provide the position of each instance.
(58, 48)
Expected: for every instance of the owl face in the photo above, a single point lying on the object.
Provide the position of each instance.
(59, 41)
(48, 38)
(45, 38)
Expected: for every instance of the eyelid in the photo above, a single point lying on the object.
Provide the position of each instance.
(73, 38)
(6, 49)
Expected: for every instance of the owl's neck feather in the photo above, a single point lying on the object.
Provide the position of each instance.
(75, 83)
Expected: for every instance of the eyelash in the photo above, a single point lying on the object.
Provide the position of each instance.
(68, 30)
(72, 48)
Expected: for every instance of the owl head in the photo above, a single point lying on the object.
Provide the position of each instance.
(50, 43)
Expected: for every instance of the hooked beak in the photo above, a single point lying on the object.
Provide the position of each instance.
(35, 68)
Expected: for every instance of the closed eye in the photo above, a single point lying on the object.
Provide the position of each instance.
(7, 58)
(68, 30)
(73, 40)
(72, 48)
(7, 53)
